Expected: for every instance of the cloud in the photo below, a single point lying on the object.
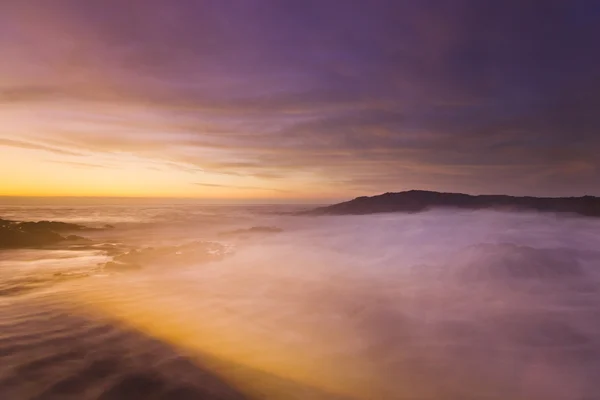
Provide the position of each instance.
(79, 164)
(213, 185)
(466, 95)
(33, 146)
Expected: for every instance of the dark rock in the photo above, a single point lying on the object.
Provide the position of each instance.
(76, 238)
(420, 200)
(191, 253)
(54, 226)
(113, 266)
(15, 234)
(252, 231)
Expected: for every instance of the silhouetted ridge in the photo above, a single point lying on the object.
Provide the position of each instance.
(420, 200)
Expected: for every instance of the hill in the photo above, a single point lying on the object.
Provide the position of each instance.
(421, 200)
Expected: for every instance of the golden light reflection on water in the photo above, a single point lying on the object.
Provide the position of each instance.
(272, 361)
(260, 363)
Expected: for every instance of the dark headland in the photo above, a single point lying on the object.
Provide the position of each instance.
(421, 200)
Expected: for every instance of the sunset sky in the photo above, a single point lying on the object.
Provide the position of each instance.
(298, 100)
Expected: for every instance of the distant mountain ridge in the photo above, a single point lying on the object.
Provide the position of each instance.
(421, 200)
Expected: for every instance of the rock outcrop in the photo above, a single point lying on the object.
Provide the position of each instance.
(185, 254)
(16, 234)
(255, 230)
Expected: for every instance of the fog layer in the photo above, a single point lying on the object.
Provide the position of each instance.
(435, 305)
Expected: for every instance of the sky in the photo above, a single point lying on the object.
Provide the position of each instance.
(298, 100)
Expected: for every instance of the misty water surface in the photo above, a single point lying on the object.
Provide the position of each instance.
(434, 305)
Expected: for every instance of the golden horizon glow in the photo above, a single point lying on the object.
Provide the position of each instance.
(33, 173)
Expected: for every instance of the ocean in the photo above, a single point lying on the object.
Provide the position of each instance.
(433, 305)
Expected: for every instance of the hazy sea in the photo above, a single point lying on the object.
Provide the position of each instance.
(434, 305)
